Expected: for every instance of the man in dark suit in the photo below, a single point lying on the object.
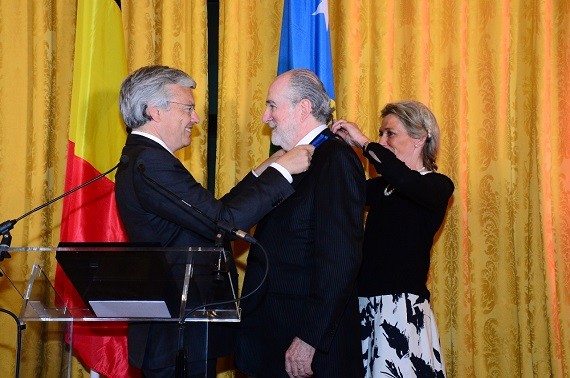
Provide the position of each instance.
(158, 108)
(304, 320)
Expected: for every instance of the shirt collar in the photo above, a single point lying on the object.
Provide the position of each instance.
(312, 134)
(152, 137)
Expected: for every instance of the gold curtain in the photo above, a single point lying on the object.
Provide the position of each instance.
(173, 33)
(497, 76)
(36, 66)
(36, 53)
(248, 52)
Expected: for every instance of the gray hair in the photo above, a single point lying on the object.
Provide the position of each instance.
(419, 122)
(305, 84)
(148, 86)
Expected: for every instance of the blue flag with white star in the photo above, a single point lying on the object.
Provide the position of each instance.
(305, 40)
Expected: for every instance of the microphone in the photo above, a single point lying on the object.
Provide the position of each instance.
(180, 369)
(6, 226)
(221, 224)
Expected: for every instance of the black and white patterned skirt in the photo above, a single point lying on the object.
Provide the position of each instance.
(399, 337)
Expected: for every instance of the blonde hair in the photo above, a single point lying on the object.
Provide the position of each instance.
(419, 122)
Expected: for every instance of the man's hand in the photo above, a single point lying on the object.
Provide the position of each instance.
(298, 359)
(298, 159)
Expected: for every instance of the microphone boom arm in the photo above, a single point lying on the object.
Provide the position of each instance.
(6, 226)
(221, 224)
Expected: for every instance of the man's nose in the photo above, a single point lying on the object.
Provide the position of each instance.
(195, 117)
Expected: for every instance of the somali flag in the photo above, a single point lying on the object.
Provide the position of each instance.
(305, 40)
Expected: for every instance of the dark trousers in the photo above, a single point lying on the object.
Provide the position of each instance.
(202, 369)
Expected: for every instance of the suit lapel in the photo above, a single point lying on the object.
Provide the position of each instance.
(321, 138)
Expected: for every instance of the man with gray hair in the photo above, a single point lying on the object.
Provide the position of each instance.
(158, 107)
(304, 321)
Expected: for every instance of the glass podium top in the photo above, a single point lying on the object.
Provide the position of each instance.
(123, 282)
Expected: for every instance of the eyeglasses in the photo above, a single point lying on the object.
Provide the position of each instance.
(189, 108)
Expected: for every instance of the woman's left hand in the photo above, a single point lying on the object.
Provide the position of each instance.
(350, 132)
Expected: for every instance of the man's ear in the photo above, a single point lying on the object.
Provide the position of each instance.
(305, 109)
(152, 113)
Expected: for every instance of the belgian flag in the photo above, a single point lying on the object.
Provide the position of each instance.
(96, 137)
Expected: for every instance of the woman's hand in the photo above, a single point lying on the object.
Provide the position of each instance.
(350, 132)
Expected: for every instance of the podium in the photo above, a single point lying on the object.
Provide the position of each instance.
(116, 282)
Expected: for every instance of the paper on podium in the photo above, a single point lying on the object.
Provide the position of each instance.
(130, 309)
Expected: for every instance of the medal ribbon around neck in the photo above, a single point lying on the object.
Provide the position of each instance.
(319, 140)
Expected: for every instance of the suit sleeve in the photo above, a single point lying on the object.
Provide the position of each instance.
(338, 207)
(432, 193)
(248, 202)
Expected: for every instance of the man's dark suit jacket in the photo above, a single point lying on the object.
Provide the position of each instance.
(313, 241)
(150, 215)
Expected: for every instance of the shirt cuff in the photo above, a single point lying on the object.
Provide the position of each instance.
(283, 171)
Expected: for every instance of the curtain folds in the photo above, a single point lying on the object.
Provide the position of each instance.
(248, 53)
(174, 33)
(495, 74)
(36, 68)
